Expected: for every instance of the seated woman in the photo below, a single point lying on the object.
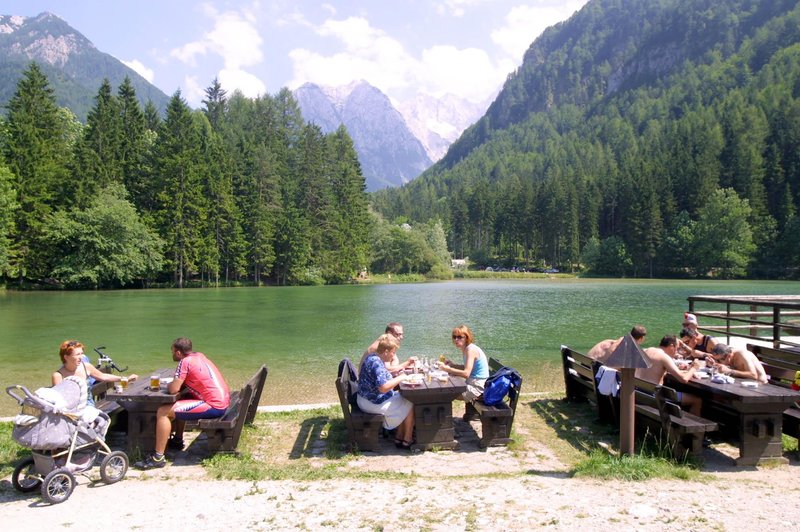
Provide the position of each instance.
(475, 367)
(376, 393)
(693, 344)
(75, 363)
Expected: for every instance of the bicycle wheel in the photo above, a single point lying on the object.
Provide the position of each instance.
(113, 467)
(58, 485)
(25, 478)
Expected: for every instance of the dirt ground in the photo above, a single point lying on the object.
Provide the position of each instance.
(449, 490)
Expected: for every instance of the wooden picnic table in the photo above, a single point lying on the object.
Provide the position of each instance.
(433, 411)
(753, 416)
(141, 402)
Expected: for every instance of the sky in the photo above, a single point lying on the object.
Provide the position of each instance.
(403, 47)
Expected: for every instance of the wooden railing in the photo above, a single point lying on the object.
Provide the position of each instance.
(773, 319)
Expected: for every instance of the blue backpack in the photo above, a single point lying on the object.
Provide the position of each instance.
(497, 385)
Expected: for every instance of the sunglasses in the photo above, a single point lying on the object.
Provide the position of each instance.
(458, 337)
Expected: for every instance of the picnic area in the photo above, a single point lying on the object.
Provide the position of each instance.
(294, 472)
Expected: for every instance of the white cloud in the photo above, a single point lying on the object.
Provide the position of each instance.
(192, 90)
(369, 53)
(524, 23)
(139, 68)
(469, 73)
(249, 84)
(457, 8)
(235, 39)
(187, 52)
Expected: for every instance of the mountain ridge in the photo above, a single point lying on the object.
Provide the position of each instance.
(389, 153)
(72, 63)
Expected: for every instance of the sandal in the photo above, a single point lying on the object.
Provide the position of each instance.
(404, 444)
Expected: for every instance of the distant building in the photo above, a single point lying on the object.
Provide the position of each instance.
(458, 264)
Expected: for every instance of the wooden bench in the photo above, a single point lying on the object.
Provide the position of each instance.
(580, 382)
(658, 410)
(223, 433)
(496, 420)
(782, 366)
(363, 428)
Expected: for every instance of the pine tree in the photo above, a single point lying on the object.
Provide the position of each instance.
(38, 154)
(182, 207)
(215, 104)
(350, 247)
(135, 146)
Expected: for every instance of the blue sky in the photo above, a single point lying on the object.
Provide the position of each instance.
(463, 47)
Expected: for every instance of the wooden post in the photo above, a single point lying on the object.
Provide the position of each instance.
(627, 410)
(627, 356)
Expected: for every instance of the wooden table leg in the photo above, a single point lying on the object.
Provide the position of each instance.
(760, 439)
(434, 426)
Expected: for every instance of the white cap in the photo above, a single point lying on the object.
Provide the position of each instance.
(688, 317)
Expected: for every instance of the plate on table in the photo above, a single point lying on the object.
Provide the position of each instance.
(414, 379)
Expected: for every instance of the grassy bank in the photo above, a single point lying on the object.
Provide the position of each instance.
(308, 445)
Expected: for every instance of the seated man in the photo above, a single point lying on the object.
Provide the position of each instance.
(394, 366)
(603, 350)
(662, 361)
(737, 362)
(208, 394)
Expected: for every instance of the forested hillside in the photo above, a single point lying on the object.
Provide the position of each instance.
(640, 137)
(242, 191)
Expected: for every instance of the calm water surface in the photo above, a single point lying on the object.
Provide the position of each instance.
(301, 333)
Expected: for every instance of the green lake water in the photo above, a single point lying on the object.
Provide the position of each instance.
(301, 333)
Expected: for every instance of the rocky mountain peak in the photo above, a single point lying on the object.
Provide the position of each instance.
(44, 38)
(389, 153)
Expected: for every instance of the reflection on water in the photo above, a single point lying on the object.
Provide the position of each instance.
(301, 333)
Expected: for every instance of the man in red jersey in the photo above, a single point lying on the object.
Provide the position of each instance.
(206, 395)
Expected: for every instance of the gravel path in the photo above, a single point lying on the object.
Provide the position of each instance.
(441, 495)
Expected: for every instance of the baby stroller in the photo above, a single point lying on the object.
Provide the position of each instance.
(65, 436)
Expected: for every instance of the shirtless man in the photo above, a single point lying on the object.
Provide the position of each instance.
(603, 350)
(737, 362)
(662, 362)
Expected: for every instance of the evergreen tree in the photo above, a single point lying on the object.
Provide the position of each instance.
(182, 207)
(38, 154)
(215, 104)
(98, 154)
(350, 246)
(135, 146)
(8, 207)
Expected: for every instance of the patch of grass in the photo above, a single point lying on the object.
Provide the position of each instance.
(10, 452)
(789, 443)
(600, 464)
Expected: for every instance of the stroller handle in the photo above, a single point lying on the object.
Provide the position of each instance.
(12, 391)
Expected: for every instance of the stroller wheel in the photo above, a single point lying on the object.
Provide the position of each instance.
(58, 485)
(113, 467)
(25, 477)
